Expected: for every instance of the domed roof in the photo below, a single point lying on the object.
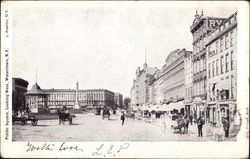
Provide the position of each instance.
(35, 90)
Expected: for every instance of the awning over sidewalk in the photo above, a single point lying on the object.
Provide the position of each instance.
(178, 105)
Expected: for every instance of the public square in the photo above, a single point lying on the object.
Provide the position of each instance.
(91, 127)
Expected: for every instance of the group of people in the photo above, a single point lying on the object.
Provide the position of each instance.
(22, 113)
(184, 123)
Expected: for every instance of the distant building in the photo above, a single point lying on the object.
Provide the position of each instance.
(86, 98)
(155, 89)
(140, 89)
(118, 99)
(19, 88)
(174, 80)
(44, 99)
(222, 71)
(200, 28)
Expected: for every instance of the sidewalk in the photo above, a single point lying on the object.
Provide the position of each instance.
(209, 133)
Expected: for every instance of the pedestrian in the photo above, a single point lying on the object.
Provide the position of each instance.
(122, 118)
(200, 123)
(181, 124)
(226, 126)
(186, 121)
(191, 119)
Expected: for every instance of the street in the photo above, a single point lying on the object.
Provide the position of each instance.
(90, 127)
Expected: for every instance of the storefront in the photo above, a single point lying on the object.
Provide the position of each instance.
(227, 109)
(211, 113)
(189, 109)
(199, 108)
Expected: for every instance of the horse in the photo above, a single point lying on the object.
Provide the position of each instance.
(181, 124)
(64, 117)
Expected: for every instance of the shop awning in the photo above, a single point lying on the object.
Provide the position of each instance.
(177, 106)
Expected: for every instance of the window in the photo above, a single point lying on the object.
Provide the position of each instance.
(198, 66)
(204, 64)
(198, 88)
(213, 69)
(226, 41)
(217, 67)
(209, 70)
(217, 46)
(209, 91)
(221, 64)
(201, 65)
(227, 62)
(198, 46)
(231, 38)
(209, 50)
(221, 44)
(232, 64)
(194, 48)
(232, 88)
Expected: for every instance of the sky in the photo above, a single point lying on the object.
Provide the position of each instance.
(100, 44)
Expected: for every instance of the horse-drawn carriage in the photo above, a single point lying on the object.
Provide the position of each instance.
(98, 111)
(180, 124)
(105, 113)
(63, 116)
(23, 118)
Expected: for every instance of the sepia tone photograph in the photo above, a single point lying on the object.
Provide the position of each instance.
(93, 72)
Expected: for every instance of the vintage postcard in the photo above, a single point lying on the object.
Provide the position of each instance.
(134, 79)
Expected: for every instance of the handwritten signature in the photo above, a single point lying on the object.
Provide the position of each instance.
(51, 147)
(103, 150)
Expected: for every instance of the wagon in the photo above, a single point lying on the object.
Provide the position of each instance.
(23, 119)
(105, 113)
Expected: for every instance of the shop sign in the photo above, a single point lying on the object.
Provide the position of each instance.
(214, 22)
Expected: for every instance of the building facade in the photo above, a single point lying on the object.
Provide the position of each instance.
(222, 71)
(140, 89)
(174, 79)
(134, 96)
(19, 88)
(118, 100)
(188, 73)
(86, 98)
(38, 99)
(200, 28)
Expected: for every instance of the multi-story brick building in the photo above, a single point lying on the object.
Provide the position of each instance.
(174, 79)
(188, 72)
(140, 89)
(155, 91)
(19, 88)
(200, 28)
(222, 71)
(56, 98)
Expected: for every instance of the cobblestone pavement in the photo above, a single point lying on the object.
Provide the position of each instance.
(90, 127)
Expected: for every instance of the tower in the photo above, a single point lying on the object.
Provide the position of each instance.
(76, 97)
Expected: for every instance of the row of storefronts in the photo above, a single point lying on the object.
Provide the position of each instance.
(202, 82)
